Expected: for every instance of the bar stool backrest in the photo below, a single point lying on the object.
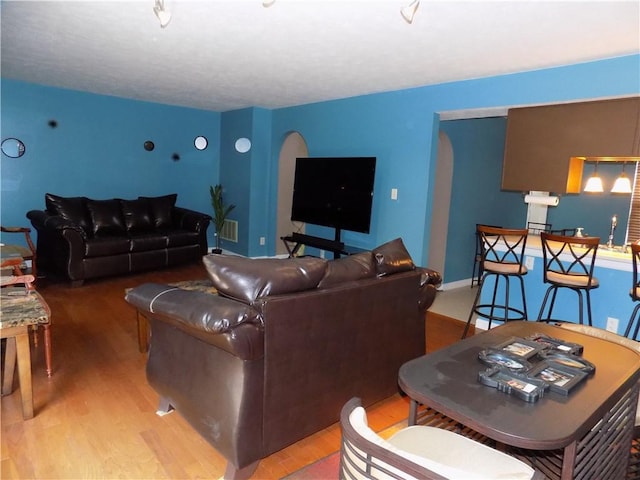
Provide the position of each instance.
(567, 257)
(635, 256)
(502, 246)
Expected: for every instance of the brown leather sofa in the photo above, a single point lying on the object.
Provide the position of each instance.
(80, 238)
(284, 344)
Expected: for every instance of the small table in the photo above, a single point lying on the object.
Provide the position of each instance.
(19, 311)
(299, 239)
(586, 432)
(16, 252)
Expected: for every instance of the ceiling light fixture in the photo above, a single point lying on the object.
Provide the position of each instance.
(163, 15)
(409, 11)
(268, 3)
(594, 184)
(622, 183)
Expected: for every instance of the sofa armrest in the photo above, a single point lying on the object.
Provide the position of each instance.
(190, 219)
(430, 280)
(222, 322)
(430, 277)
(60, 245)
(43, 220)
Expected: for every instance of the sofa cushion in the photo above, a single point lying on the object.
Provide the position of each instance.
(137, 217)
(72, 209)
(246, 279)
(161, 209)
(392, 257)
(353, 267)
(106, 217)
(177, 237)
(144, 242)
(105, 246)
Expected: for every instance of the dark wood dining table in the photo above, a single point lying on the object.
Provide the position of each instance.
(583, 435)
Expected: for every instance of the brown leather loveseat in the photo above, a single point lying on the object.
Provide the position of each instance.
(80, 238)
(284, 344)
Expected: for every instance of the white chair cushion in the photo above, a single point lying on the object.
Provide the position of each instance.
(473, 459)
(445, 453)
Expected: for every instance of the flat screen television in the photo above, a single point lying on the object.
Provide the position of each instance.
(334, 192)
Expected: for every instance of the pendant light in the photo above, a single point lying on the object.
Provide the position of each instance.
(594, 183)
(164, 16)
(409, 11)
(622, 183)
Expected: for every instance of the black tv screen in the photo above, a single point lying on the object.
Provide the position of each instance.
(334, 192)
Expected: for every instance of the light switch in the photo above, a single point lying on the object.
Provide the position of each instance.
(394, 194)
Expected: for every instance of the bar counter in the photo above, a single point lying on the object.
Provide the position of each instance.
(614, 272)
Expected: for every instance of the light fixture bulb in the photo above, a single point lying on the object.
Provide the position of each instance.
(409, 11)
(622, 184)
(594, 184)
(163, 15)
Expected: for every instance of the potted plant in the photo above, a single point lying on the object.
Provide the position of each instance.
(220, 212)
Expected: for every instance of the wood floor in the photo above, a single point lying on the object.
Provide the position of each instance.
(95, 418)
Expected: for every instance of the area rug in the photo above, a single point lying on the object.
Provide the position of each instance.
(324, 469)
(327, 468)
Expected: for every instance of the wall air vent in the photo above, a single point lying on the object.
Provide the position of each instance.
(230, 231)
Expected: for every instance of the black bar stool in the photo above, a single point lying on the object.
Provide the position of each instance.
(634, 293)
(476, 274)
(502, 257)
(568, 263)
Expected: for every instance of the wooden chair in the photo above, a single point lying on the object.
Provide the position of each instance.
(418, 452)
(568, 262)
(634, 293)
(17, 277)
(26, 253)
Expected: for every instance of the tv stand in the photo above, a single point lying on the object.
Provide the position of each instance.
(298, 239)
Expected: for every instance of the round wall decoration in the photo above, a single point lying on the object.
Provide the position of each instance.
(12, 147)
(243, 145)
(201, 142)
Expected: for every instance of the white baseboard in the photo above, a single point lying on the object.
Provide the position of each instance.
(483, 324)
(457, 284)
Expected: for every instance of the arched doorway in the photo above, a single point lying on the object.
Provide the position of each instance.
(293, 147)
(441, 202)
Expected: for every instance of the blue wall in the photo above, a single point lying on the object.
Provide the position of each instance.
(96, 149)
(401, 129)
(478, 149)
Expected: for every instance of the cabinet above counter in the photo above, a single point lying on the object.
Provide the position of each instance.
(546, 146)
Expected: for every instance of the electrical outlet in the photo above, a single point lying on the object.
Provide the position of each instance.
(321, 253)
(612, 324)
(394, 194)
(528, 262)
(263, 240)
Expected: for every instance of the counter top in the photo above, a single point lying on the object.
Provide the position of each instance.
(605, 258)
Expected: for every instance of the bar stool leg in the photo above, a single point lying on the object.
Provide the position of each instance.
(524, 299)
(544, 304)
(588, 294)
(493, 300)
(631, 320)
(506, 300)
(473, 308)
(580, 309)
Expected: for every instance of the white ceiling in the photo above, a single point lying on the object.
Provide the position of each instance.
(224, 55)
